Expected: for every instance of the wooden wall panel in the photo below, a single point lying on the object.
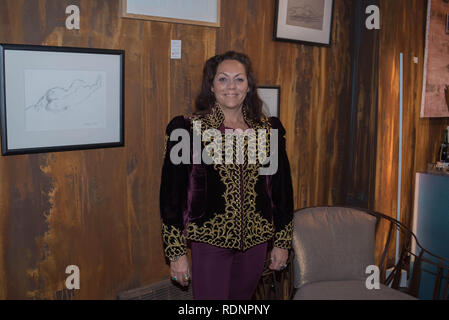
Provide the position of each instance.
(404, 32)
(315, 93)
(99, 209)
(376, 132)
(363, 126)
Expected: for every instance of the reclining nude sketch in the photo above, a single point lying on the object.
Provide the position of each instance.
(304, 14)
(58, 99)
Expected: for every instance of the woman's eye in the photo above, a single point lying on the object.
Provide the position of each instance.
(222, 79)
(240, 79)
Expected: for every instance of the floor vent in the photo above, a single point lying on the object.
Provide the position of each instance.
(162, 290)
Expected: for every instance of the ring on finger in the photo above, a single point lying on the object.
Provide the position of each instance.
(174, 278)
(186, 277)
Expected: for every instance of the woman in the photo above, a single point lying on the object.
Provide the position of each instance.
(228, 211)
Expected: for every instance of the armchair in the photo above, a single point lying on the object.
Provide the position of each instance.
(333, 246)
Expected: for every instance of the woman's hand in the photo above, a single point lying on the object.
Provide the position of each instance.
(278, 258)
(180, 271)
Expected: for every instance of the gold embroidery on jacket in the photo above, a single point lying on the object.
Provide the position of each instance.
(220, 231)
(173, 240)
(258, 230)
(223, 231)
(283, 238)
(213, 120)
(239, 226)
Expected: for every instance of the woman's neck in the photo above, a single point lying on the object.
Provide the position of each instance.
(232, 115)
(233, 118)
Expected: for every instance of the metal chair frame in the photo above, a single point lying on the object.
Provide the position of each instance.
(278, 285)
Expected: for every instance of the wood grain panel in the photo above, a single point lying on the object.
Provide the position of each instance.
(99, 209)
(362, 153)
(402, 30)
(315, 93)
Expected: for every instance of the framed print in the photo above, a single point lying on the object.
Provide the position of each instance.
(60, 98)
(197, 12)
(271, 97)
(307, 21)
(435, 72)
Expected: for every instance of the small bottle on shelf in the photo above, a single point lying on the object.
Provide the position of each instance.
(446, 141)
(443, 155)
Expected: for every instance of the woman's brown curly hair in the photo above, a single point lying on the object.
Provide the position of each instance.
(206, 99)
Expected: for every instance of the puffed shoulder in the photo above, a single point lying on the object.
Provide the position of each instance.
(277, 124)
(178, 122)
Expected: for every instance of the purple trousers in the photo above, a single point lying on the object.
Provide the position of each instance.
(226, 274)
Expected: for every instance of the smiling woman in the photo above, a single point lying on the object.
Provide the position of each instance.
(230, 212)
(230, 87)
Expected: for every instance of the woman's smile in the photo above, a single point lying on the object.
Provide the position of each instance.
(230, 84)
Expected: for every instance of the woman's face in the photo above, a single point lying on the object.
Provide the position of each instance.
(230, 84)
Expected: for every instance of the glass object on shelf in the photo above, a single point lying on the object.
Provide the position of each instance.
(443, 155)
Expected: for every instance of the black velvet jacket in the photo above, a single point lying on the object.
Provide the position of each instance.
(226, 205)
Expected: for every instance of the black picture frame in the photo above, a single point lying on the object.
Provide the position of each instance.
(302, 35)
(273, 93)
(60, 98)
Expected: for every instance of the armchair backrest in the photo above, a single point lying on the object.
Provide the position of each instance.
(332, 243)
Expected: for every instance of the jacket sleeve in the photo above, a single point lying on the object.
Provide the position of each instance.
(282, 193)
(173, 195)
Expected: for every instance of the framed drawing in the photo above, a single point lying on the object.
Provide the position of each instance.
(304, 21)
(197, 12)
(60, 98)
(271, 97)
(436, 74)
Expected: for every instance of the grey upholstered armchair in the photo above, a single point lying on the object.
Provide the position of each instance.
(333, 246)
